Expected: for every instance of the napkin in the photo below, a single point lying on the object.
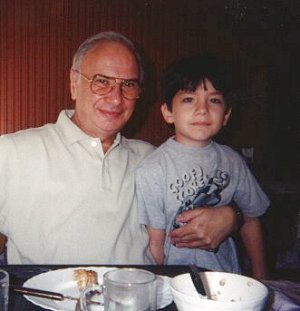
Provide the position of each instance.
(286, 295)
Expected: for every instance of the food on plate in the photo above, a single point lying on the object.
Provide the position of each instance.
(85, 278)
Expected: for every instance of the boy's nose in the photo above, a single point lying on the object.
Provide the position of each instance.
(201, 107)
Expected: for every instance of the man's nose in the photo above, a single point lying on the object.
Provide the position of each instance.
(115, 94)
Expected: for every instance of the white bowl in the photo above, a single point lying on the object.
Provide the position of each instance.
(228, 291)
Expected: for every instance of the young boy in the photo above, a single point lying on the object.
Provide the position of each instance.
(190, 170)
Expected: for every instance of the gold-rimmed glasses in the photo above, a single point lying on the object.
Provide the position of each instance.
(102, 85)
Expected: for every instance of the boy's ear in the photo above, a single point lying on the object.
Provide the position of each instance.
(167, 114)
(227, 116)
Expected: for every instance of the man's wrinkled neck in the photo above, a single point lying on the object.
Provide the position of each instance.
(106, 141)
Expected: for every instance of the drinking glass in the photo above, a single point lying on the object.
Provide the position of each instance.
(125, 289)
(4, 284)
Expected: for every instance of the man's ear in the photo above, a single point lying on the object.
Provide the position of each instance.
(167, 114)
(227, 116)
(73, 86)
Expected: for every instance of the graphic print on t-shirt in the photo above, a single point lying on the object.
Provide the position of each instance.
(195, 189)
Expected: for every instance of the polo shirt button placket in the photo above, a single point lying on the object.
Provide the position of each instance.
(94, 144)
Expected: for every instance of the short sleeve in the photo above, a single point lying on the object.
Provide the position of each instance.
(249, 195)
(150, 197)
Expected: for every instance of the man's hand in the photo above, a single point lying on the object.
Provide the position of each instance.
(205, 227)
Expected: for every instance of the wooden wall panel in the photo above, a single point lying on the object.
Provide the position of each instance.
(39, 37)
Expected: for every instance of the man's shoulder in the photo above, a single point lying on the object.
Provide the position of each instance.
(138, 146)
(29, 132)
(35, 133)
(23, 136)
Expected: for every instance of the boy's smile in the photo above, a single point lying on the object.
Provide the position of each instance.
(197, 116)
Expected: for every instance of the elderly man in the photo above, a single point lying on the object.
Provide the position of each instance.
(67, 189)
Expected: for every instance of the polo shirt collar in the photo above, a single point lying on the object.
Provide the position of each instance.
(72, 133)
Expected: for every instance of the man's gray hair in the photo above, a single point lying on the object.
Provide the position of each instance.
(112, 36)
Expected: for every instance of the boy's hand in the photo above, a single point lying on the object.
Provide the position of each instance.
(205, 227)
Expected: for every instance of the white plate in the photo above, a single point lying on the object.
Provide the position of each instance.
(62, 281)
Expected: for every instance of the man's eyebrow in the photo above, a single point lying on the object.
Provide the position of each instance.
(109, 77)
(131, 79)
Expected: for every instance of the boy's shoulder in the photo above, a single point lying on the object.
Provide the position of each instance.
(154, 158)
(227, 150)
(230, 157)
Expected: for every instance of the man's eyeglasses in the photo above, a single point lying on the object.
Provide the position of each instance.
(102, 85)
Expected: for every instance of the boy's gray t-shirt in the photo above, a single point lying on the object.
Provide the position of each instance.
(175, 177)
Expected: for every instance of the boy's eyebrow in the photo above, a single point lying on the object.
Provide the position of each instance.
(216, 93)
(183, 91)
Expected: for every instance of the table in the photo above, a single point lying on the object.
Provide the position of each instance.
(20, 273)
(286, 294)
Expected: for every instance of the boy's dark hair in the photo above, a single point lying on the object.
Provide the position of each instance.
(187, 73)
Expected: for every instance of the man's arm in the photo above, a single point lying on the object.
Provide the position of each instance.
(205, 227)
(252, 237)
(156, 244)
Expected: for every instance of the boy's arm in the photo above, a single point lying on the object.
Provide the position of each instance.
(252, 237)
(156, 244)
(2, 242)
